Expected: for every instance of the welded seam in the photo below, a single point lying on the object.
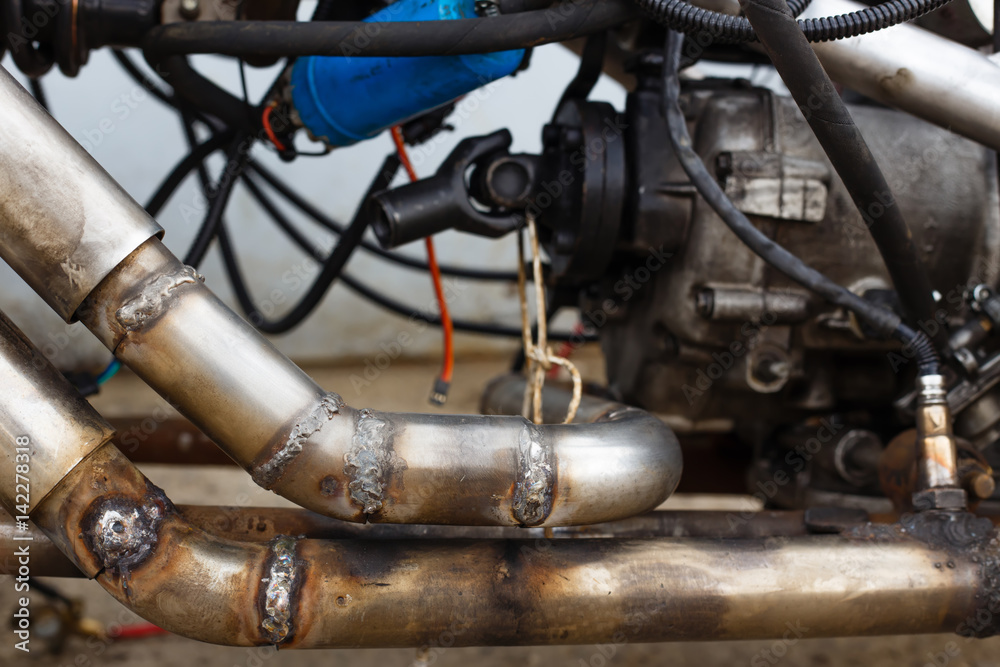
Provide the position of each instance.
(152, 301)
(276, 619)
(532, 500)
(123, 533)
(270, 471)
(371, 462)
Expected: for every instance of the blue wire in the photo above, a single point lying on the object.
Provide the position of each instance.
(109, 372)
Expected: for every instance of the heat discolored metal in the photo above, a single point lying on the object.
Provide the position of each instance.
(372, 466)
(48, 428)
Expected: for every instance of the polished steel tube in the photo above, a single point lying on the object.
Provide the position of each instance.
(361, 465)
(65, 222)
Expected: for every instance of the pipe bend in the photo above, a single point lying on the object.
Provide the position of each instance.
(309, 446)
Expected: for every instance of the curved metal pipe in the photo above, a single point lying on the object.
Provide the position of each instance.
(300, 593)
(360, 465)
(292, 436)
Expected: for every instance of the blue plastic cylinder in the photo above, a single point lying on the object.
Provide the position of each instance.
(343, 100)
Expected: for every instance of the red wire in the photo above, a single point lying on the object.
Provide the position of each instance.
(138, 631)
(448, 365)
(266, 122)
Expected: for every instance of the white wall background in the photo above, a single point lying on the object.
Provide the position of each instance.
(138, 140)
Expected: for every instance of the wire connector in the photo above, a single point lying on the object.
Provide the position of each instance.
(439, 394)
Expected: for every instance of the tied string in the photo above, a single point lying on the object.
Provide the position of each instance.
(539, 356)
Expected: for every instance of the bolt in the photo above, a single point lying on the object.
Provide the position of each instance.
(190, 9)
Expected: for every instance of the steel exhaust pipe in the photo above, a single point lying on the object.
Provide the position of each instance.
(936, 573)
(292, 436)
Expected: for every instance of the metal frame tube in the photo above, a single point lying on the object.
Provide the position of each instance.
(65, 222)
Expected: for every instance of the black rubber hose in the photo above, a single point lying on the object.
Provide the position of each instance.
(845, 146)
(236, 157)
(333, 266)
(191, 161)
(202, 94)
(563, 21)
(38, 92)
(684, 17)
(338, 228)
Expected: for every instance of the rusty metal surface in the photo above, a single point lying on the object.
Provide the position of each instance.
(66, 223)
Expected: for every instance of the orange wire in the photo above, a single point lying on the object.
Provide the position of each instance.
(266, 122)
(448, 365)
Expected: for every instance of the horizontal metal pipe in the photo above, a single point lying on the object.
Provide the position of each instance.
(292, 436)
(264, 524)
(301, 593)
(929, 76)
(912, 69)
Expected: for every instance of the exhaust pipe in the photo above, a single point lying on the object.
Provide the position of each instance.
(302, 593)
(293, 437)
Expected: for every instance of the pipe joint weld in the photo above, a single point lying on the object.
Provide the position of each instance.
(122, 533)
(371, 462)
(152, 301)
(535, 478)
(278, 599)
(268, 473)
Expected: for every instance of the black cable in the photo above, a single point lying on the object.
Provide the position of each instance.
(845, 146)
(202, 94)
(336, 227)
(185, 167)
(177, 175)
(398, 38)
(140, 78)
(684, 17)
(332, 267)
(236, 158)
(38, 92)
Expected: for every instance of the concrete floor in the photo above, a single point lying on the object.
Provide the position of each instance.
(405, 387)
